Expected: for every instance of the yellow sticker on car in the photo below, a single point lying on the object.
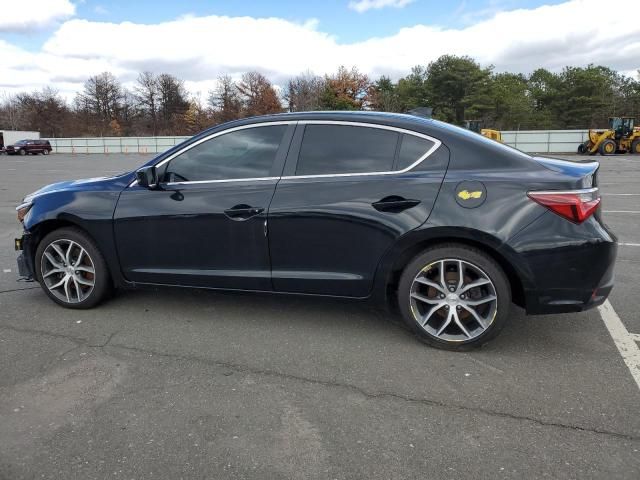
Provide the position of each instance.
(466, 194)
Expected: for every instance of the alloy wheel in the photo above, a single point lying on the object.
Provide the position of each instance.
(68, 271)
(453, 300)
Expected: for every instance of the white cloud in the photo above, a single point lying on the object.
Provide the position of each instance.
(199, 49)
(361, 6)
(27, 15)
(100, 10)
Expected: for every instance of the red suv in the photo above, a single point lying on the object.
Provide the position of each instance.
(22, 147)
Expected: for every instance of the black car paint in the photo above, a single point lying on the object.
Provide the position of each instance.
(325, 237)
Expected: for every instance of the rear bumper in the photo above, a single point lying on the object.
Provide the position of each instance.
(565, 267)
(566, 300)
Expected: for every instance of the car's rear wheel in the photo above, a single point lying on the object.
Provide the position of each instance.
(45, 152)
(454, 297)
(635, 147)
(71, 269)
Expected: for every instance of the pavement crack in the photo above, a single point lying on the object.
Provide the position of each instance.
(328, 383)
(18, 289)
(107, 342)
(375, 395)
(78, 340)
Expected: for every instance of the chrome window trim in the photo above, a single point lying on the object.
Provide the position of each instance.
(436, 145)
(226, 180)
(214, 135)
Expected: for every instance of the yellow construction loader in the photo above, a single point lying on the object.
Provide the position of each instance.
(476, 126)
(621, 137)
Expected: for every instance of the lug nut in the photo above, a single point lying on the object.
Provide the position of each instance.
(462, 296)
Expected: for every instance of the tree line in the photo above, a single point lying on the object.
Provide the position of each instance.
(457, 88)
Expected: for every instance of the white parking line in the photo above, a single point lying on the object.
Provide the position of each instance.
(622, 194)
(624, 244)
(625, 341)
(622, 211)
(635, 336)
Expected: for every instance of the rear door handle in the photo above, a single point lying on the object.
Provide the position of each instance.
(394, 204)
(243, 212)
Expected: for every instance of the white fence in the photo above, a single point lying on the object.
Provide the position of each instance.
(545, 141)
(114, 144)
(533, 141)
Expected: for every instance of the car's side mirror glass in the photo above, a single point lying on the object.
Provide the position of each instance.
(147, 177)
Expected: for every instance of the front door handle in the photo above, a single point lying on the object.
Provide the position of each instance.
(394, 204)
(243, 212)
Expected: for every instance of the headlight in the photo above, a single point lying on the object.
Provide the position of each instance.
(22, 210)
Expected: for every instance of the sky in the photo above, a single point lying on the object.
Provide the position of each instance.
(60, 43)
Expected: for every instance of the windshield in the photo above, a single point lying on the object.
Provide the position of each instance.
(20, 142)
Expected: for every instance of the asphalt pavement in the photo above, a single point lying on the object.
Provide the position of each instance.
(176, 383)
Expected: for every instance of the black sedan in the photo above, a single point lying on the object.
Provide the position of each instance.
(450, 226)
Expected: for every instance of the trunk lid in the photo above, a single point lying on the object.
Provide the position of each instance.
(584, 173)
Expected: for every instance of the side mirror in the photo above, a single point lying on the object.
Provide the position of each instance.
(147, 177)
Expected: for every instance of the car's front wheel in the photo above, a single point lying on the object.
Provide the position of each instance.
(71, 269)
(454, 297)
(22, 151)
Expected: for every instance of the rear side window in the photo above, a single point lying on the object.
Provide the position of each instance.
(335, 149)
(412, 149)
(247, 153)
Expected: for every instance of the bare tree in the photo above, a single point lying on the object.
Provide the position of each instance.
(44, 111)
(101, 98)
(9, 112)
(225, 100)
(172, 101)
(304, 92)
(147, 95)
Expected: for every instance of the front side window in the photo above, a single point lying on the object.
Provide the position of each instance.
(246, 153)
(335, 149)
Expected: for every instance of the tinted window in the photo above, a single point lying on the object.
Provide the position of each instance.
(330, 149)
(412, 149)
(247, 153)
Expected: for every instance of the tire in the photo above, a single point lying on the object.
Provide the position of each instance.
(45, 152)
(22, 151)
(53, 269)
(635, 147)
(582, 149)
(607, 147)
(433, 318)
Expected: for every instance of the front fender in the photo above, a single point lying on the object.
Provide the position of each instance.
(89, 208)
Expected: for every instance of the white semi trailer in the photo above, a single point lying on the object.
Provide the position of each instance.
(9, 137)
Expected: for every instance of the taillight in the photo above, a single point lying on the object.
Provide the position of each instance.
(574, 205)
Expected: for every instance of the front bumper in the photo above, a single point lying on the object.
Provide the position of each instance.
(24, 260)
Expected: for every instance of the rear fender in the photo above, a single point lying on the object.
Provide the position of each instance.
(414, 242)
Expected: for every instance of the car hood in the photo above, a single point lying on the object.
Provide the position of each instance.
(86, 184)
